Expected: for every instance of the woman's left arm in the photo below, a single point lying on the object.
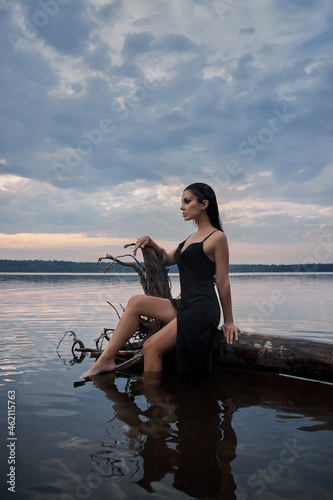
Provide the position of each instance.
(221, 255)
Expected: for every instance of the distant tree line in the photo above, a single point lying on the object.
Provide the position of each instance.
(52, 266)
(62, 266)
(281, 268)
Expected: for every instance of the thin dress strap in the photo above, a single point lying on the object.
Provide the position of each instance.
(209, 235)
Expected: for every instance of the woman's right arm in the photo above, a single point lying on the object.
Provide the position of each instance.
(144, 241)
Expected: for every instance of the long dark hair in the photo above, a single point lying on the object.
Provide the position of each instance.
(204, 192)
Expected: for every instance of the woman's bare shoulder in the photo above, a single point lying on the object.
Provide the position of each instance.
(219, 237)
(219, 242)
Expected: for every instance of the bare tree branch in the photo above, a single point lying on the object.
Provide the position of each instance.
(139, 268)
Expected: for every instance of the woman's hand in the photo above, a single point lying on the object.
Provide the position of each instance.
(141, 242)
(230, 331)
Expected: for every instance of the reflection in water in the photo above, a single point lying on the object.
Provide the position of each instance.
(183, 427)
(163, 439)
(184, 431)
(207, 442)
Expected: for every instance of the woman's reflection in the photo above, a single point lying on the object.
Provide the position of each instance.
(207, 441)
(183, 430)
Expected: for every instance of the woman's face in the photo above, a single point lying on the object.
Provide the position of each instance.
(191, 208)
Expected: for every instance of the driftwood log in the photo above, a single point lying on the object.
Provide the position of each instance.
(296, 357)
(275, 354)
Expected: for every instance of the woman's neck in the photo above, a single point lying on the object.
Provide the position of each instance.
(204, 226)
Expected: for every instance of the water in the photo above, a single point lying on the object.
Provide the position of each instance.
(236, 435)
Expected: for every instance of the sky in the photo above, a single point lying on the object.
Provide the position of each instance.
(109, 109)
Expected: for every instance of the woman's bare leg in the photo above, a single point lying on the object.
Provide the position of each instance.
(138, 305)
(157, 345)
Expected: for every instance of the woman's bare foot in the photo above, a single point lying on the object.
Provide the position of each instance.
(99, 367)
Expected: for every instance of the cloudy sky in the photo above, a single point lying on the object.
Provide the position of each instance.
(110, 108)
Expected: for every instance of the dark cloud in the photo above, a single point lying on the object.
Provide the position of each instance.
(137, 43)
(244, 64)
(114, 98)
(66, 28)
(109, 12)
(247, 31)
(99, 58)
(294, 6)
(175, 43)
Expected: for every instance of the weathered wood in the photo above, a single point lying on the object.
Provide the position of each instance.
(297, 357)
(86, 349)
(158, 283)
(131, 363)
(153, 274)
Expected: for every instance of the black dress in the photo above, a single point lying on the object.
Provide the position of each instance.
(198, 310)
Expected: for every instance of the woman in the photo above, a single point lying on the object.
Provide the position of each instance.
(190, 322)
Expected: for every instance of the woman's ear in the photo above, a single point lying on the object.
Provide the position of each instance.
(204, 204)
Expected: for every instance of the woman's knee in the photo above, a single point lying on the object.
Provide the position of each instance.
(134, 303)
(149, 347)
(146, 347)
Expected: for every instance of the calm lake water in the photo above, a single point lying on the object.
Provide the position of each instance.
(235, 435)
